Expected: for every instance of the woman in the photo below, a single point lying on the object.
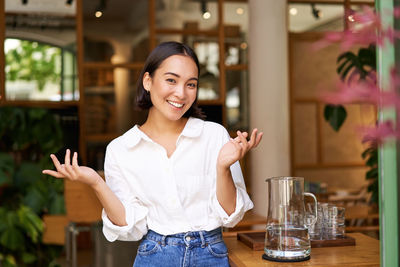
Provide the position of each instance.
(175, 180)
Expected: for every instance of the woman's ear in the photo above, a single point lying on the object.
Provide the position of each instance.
(147, 81)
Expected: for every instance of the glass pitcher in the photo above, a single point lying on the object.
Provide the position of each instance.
(286, 237)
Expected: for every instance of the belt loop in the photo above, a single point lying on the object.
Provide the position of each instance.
(163, 240)
(203, 243)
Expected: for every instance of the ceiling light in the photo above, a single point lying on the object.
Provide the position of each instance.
(293, 11)
(239, 11)
(317, 13)
(100, 8)
(243, 45)
(98, 14)
(206, 15)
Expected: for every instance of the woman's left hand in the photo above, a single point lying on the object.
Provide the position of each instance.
(236, 148)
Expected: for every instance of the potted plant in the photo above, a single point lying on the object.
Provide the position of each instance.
(27, 137)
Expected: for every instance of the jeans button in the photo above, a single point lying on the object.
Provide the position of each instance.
(187, 238)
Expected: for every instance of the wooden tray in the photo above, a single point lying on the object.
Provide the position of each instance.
(255, 240)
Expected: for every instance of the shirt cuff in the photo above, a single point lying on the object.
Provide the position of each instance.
(135, 229)
(243, 204)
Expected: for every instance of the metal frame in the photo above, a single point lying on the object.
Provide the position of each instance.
(388, 169)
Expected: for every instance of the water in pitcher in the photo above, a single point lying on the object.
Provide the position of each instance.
(285, 242)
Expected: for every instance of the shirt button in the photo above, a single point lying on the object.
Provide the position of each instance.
(187, 238)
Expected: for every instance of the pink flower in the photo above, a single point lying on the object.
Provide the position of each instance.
(366, 29)
(380, 133)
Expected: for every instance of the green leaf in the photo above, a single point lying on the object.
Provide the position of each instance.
(28, 174)
(372, 173)
(57, 205)
(373, 160)
(12, 238)
(9, 261)
(28, 258)
(335, 115)
(367, 152)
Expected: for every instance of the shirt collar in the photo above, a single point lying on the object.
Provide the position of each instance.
(193, 128)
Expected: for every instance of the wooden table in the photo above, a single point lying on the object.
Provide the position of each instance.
(364, 253)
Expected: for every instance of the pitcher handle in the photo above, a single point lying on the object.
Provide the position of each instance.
(316, 203)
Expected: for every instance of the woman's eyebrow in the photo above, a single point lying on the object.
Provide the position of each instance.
(178, 76)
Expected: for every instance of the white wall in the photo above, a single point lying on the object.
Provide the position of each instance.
(269, 94)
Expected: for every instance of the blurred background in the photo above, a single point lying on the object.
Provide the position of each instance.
(70, 69)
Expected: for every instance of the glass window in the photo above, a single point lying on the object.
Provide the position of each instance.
(237, 99)
(236, 32)
(39, 71)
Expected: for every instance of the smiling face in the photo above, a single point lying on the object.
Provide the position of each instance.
(173, 87)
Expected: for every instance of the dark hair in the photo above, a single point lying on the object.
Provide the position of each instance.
(153, 61)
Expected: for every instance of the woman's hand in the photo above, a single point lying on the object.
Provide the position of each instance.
(236, 148)
(73, 171)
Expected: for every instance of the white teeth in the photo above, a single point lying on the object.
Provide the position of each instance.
(175, 104)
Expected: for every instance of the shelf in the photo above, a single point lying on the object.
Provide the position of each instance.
(236, 67)
(213, 102)
(99, 89)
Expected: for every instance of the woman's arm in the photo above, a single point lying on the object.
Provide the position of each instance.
(110, 202)
(231, 152)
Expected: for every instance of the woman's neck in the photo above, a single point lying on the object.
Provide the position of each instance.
(157, 125)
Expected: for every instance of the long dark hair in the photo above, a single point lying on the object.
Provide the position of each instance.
(153, 61)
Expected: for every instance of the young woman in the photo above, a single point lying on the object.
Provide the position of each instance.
(175, 180)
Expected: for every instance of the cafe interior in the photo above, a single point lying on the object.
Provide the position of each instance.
(70, 70)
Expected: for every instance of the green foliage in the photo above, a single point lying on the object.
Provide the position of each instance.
(33, 61)
(27, 137)
(362, 63)
(335, 115)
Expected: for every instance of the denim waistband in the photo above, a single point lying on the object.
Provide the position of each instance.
(195, 238)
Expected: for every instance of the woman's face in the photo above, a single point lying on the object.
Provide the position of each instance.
(173, 87)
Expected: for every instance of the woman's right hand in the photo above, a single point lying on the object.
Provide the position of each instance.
(73, 171)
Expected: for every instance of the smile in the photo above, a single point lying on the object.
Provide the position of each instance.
(177, 105)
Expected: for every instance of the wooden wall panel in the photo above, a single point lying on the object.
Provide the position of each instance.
(312, 70)
(305, 134)
(346, 146)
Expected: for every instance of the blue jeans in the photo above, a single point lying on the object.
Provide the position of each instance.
(200, 249)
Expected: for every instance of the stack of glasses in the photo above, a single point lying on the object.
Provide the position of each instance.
(330, 223)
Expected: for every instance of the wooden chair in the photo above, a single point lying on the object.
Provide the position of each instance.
(54, 229)
(83, 211)
(363, 219)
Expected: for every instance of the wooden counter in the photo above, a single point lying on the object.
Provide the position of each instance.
(364, 253)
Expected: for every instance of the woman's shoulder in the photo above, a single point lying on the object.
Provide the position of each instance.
(210, 127)
(126, 140)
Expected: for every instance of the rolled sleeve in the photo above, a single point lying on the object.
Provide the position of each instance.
(243, 202)
(135, 211)
(136, 224)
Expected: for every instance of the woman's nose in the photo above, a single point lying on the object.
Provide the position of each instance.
(180, 91)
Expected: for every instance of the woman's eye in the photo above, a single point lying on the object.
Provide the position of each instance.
(192, 85)
(171, 80)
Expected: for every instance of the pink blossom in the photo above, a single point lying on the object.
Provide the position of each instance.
(380, 133)
(365, 91)
(366, 29)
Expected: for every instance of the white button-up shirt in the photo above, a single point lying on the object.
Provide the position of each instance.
(170, 195)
